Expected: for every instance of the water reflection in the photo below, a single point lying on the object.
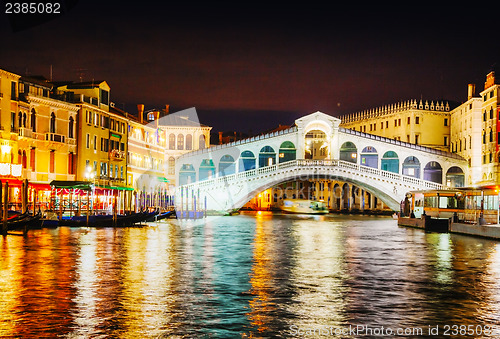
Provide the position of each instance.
(252, 275)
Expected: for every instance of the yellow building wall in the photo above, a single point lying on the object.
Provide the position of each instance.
(426, 127)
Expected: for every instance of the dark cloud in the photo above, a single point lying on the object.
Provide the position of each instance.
(223, 57)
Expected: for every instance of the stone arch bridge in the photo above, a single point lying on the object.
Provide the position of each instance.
(223, 178)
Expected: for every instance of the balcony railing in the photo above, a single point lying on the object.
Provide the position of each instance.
(25, 132)
(117, 154)
(55, 137)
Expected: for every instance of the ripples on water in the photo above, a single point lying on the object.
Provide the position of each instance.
(252, 275)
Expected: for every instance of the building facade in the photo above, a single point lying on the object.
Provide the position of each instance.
(490, 128)
(415, 121)
(102, 143)
(466, 134)
(146, 161)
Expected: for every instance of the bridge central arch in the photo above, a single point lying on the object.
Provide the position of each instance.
(230, 175)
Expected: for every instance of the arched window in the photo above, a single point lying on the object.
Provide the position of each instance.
(227, 165)
(455, 177)
(25, 162)
(411, 167)
(24, 120)
(349, 152)
(207, 169)
(267, 156)
(247, 161)
(189, 142)
(171, 165)
(390, 162)
(369, 157)
(287, 152)
(33, 120)
(180, 142)
(433, 172)
(70, 127)
(171, 141)
(201, 142)
(52, 123)
(20, 120)
(187, 174)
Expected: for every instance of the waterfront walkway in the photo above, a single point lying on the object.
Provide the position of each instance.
(490, 231)
(485, 231)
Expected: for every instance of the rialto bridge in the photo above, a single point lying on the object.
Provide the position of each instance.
(225, 177)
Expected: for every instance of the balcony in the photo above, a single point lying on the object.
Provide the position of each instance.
(55, 137)
(117, 154)
(25, 132)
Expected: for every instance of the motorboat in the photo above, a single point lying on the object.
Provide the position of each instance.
(303, 206)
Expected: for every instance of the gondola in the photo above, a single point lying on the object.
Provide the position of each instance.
(160, 216)
(27, 221)
(100, 220)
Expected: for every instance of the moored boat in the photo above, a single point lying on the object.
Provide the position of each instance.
(302, 206)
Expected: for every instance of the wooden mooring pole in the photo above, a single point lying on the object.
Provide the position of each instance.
(5, 208)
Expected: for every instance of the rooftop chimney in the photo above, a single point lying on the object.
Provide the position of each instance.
(140, 110)
(490, 80)
(167, 109)
(220, 138)
(472, 91)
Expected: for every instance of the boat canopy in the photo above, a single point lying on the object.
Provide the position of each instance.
(83, 185)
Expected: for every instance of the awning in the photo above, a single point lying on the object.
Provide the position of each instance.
(40, 186)
(120, 188)
(83, 185)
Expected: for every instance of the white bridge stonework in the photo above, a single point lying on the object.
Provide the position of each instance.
(230, 190)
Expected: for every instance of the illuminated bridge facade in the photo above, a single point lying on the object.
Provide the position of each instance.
(225, 177)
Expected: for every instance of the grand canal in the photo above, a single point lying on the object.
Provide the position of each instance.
(251, 275)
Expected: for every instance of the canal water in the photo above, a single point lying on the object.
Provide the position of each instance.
(253, 275)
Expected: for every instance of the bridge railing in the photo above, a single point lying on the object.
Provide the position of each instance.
(301, 163)
(401, 143)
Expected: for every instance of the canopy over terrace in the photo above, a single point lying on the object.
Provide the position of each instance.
(100, 198)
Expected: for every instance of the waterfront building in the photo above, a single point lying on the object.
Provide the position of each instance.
(183, 135)
(490, 137)
(474, 132)
(46, 133)
(421, 122)
(156, 139)
(146, 160)
(10, 161)
(466, 134)
(102, 143)
(9, 110)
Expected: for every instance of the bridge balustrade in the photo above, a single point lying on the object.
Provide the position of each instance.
(321, 164)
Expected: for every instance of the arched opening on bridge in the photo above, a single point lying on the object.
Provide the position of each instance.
(207, 169)
(187, 174)
(227, 165)
(247, 161)
(316, 146)
(433, 172)
(201, 142)
(337, 193)
(287, 152)
(267, 156)
(349, 152)
(390, 162)
(369, 157)
(455, 177)
(345, 197)
(411, 167)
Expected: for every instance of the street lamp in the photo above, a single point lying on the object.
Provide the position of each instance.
(90, 176)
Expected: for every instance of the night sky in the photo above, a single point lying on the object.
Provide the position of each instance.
(248, 66)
